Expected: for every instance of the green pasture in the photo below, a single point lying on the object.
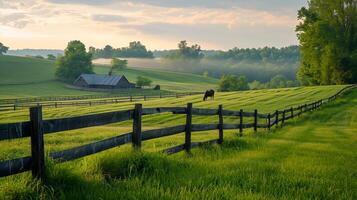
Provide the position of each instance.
(312, 157)
(31, 77)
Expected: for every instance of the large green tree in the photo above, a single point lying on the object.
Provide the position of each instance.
(328, 38)
(75, 62)
(3, 48)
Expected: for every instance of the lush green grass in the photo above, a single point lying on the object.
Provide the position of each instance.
(23, 70)
(310, 158)
(30, 77)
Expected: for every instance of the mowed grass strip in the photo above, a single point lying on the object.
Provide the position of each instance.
(263, 100)
(312, 157)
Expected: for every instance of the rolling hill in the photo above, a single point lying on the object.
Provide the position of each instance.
(24, 77)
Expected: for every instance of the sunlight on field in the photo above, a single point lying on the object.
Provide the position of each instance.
(302, 160)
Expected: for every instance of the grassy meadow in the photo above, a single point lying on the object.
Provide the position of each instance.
(31, 77)
(310, 158)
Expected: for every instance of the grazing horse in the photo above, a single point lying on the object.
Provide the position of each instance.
(208, 93)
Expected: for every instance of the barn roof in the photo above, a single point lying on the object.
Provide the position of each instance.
(99, 79)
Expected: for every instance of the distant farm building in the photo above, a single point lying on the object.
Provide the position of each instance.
(103, 81)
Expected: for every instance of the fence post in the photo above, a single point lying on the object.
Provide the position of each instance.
(160, 95)
(188, 127)
(277, 118)
(131, 98)
(283, 119)
(241, 121)
(220, 124)
(292, 112)
(255, 120)
(269, 121)
(300, 110)
(55, 104)
(136, 137)
(144, 97)
(14, 106)
(37, 143)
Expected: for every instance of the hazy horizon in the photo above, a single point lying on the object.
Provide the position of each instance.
(215, 25)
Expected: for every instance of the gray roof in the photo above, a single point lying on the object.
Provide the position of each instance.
(99, 79)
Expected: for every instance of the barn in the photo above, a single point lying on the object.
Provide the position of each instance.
(103, 81)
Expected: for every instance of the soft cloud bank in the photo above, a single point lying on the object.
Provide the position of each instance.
(159, 24)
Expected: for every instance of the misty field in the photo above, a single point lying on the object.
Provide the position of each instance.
(310, 158)
(30, 77)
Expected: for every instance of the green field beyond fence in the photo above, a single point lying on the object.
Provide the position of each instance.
(37, 127)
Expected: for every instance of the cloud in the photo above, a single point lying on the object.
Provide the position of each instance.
(268, 5)
(218, 35)
(214, 24)
(17, 20)
(109, 18)
(87, 2)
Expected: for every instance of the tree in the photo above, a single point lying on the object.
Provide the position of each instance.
(256, 85)
(328, 40)
(143, 81)
(205, 74)
(107, 52)
(51, 57)
(117, 64)
(233, 83)
(75, 62)
(278, 81)
(135, 50)
(186, 52)
(3, 48)
(39, 57)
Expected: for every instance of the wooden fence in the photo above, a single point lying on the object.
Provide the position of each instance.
(37, 127)
(58, 102)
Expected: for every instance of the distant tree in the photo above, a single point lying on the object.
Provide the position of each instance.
(256, 85)
(39, 57)
(74, 62)
(205, 74)
(135, 50)
(233, 83)
(143, 81)
(278, 81)
(108, 52)
(51, 57)
(186, 52)
(3, 48)
(117, 64)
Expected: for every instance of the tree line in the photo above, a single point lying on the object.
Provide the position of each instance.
(135, 50)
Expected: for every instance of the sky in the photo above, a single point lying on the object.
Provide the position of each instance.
(158, 24)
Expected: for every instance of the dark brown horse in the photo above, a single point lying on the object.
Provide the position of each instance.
(208, 93)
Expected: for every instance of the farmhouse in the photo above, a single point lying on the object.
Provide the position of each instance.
(103, 81)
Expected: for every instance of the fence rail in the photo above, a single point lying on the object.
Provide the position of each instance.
(36, 128)
(57, 102)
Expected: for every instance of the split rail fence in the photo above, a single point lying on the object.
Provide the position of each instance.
(57, 102)
(37, 127)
